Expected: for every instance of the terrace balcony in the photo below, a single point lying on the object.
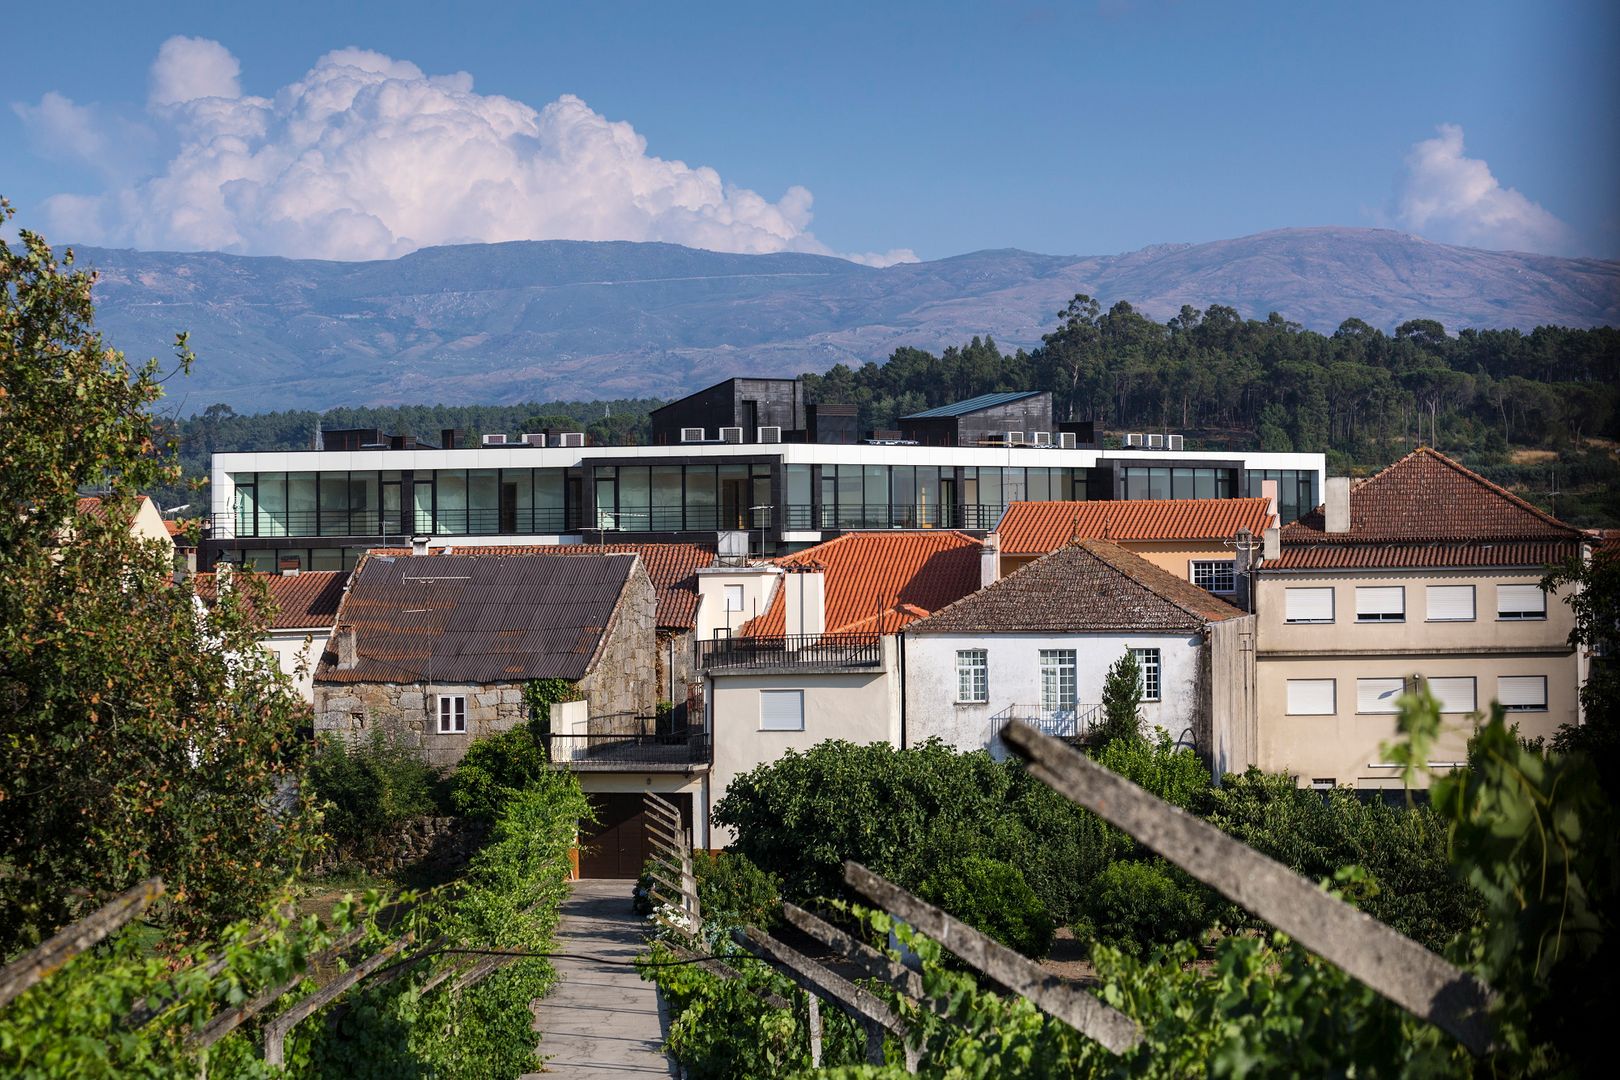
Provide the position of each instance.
(792, 652)
(1075, 722)
(628, 743)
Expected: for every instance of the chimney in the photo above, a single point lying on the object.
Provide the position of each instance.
(348, 654)
(1272, 546)
(289, 566)
(990, 560)
(1336, 505)
(419, 544)
(805, 603)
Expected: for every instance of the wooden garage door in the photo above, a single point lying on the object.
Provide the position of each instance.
(616, 845)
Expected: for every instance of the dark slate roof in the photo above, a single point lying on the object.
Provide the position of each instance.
(485, 619)
(1091, 586)
(971, 405)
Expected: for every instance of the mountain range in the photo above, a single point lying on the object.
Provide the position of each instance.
(539, 320)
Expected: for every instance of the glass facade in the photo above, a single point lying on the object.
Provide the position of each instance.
(1296, 490)
(1176, 482)
(445, 502)
(682, 498)
(920, 496)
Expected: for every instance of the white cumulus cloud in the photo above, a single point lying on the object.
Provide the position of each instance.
(1446, 195)
(368, 157)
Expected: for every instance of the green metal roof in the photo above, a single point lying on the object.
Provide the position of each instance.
(971, 405)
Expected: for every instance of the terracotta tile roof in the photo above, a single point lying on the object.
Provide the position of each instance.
(1034, 528)
(91, 504)
(880, 581)
(1427, 510)
(1086, 587)
(303, 601)
(672, 567)
(494, 619)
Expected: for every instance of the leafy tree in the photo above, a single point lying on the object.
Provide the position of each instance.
(1122, 701)
(140, 736)
(494, 769)
(1595, 601)
(992, 897)
(368, 788)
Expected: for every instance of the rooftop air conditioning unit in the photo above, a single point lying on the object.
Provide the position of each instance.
(1176, 442)
(1066, 440)
(534, 438)
(691, 434)
(731, 434)
(769, 434)
(1015, 438)
(1134, 439)
(571, 438)
(494, 440)
(1155, 442)
(1043, 438)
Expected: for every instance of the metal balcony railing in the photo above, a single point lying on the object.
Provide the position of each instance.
(981, 516)
(269, 524)
(1071, 722)
(609, 750)
(823, 651)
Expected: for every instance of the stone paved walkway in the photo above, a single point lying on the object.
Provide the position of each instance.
(600, 1020)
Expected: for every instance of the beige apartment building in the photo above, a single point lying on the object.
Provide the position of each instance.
(1425, 573)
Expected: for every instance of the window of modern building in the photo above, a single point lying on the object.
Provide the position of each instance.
(1308, 605)
(972, 676)
(1216, 575)
(1450, 603)
(781, 710)
(1312, 697)
(1455, 695)
(452, 713)
(1057, 681)
(1378, 695)
(797, 488)
(1380, 603)
(1519, 602)
(1148, 661)
(1176, 482)
(1296, 489)
(1522, 693)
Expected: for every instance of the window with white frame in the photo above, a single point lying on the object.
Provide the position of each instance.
(1378, 695)
(1380, 603)
(734, 597)
(1312, 697)
(452, 713)
(1308, 605)
(1148, 661)
(1216, 575)
(1522, 693)
(972, 676)
(1454, 695)
(1450, 603)
(781, 710)
(1057, 681)
(1520, 602)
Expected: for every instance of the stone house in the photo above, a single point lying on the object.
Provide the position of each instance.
(437, 650)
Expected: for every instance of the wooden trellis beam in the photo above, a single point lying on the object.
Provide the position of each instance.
(41, 962)
(222, 1024)
(275, 1032)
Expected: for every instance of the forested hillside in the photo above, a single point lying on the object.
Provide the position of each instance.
(1538, 412)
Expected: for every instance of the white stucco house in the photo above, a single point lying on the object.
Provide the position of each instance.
(1037, 645)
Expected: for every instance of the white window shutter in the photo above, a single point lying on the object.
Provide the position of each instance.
(1520, 599)
(1311, 697)
(781, 710)
(1308, 605)
(1454, 695)
(1521, 691)
(1451, 603)
(1380, 600)
(1378, 695)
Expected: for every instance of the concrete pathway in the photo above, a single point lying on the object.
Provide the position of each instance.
(600, 1020)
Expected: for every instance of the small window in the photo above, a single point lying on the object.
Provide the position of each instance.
(1312, 697)
(1450, 603)
(1518, 602)
(781, 710)
(452, 714)
(1522, 693)
(1454, 695)
(1216, 575)
(1324, 783)
(1378, 695)
(1312, 605)
(734, 597)
(972, 676)
(1380, 603)
(1148, 661)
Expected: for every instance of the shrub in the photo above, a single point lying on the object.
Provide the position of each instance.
(734, 892)
(494, 768)
(993, 897)
(1174, 775)
(1133, 905)
(368, 787)
(1074, 846)
(1122, 701)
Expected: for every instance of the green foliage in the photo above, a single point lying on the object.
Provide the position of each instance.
(1594, 600)
(494, 768)
(539, 695)
(1122, 701)
(734, 892)
(1134, 905)
(992, 896)
(1173, 774)
(367, 788)
(139, 736)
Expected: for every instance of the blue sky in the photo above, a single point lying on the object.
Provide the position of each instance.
(871, 130)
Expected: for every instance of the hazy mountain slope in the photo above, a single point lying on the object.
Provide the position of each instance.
(508, 322)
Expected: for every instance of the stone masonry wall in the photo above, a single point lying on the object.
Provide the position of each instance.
(624, 678)
(427, 843)
(409, 713)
